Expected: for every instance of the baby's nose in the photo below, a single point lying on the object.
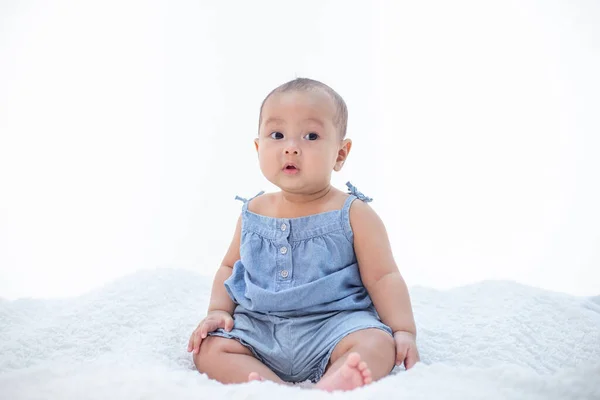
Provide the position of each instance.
(292, 150)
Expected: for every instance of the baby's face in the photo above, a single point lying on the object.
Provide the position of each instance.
(298, 142)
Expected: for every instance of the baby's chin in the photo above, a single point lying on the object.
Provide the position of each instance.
(295, 188)
(304, 188)
(305, 181)
(291, 184)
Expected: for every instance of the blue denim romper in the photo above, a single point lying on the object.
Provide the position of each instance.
(298, 290)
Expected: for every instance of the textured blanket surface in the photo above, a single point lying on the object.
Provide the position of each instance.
(127, 340)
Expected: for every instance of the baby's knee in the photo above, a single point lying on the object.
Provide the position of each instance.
(379, 341)
(372, 341)
(209, 349)
(212, 349)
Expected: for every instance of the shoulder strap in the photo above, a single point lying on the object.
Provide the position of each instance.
(354, 194)
(246, 201)
(354, 191)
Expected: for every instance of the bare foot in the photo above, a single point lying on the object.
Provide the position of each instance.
(354, 373)
(254, 376)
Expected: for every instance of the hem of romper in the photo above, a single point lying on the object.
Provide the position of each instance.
(320, 370)
(227, 335)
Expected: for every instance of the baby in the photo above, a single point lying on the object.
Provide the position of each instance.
(308, 289)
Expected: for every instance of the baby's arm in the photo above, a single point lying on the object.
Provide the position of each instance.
(221, 306)
(219, 298)
(382, 279)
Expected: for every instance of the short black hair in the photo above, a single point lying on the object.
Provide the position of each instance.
(306, 84)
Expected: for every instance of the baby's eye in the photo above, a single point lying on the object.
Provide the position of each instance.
(312, 136)
(277, 135)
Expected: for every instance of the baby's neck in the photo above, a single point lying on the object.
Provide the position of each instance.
(282, 205)
(288, 199)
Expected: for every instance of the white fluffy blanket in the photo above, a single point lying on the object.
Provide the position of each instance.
(127, 340)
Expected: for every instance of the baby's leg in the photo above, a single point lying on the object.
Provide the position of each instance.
(228, 361)
(359, 358)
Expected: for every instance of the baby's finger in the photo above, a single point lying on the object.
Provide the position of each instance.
(412, 356)
(401, 354)
(197, 342)
(190, 346)
(208, 326)
(228, 326)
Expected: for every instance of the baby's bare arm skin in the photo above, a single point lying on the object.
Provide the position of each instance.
(219, 298)
(378, 269)
(221, 307)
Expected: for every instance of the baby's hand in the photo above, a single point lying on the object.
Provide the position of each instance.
(406, 349)
(213, 321)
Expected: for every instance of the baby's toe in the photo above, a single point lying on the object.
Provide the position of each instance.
(366, 372)
(254, 376)
(362, 366)
(353, 360)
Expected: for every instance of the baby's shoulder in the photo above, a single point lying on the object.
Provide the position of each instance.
(260, 204)
(363, 217)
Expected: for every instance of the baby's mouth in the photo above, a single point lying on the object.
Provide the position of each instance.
(290, 169)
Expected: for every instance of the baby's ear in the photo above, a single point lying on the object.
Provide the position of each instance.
(342, 154)
(256, 144)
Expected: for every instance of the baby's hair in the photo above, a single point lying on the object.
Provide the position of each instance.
(306, 84)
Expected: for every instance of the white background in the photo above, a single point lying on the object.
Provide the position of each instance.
(126, 131)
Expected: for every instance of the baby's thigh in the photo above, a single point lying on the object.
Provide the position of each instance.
(212, 349)
(372, 341)
(323, 333)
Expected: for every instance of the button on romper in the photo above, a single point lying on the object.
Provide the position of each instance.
(298, 290)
